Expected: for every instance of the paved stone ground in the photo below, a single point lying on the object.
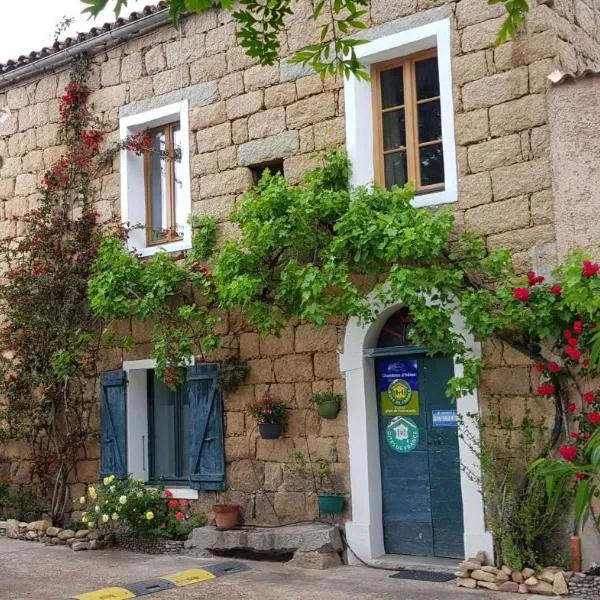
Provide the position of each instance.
(31, 571)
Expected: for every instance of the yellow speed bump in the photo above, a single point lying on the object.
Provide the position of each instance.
(187, 577)
(111, 593)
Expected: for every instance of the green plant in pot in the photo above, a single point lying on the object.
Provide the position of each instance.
(271, 416)
(324, 480)
(328, 404)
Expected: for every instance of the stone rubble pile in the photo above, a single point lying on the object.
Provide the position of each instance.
(43, 531)
(476, 573)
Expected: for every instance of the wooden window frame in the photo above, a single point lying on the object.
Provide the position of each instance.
(410, 105)
(171, 229)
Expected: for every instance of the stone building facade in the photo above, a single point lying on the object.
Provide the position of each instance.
(241, 115)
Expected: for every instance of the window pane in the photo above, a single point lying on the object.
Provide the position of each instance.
(392, 88)
(432, 164)
(428, 82)
(158, 188)
(164, 438)
(180, 216)
(430, 121)
(394, 133)
(395, 169)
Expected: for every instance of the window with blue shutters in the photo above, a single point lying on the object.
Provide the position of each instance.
(176, 436)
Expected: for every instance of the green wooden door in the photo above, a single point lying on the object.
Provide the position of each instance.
(420, 469)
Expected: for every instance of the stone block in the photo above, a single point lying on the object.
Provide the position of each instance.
(155, 60)
(220, 39)
(266, 123)
(542, 207)
(480, 36)
(238, 59)
(66, 534)
(239, 399)
(530, 48)
(261, 371)
(506, 381)
(171, 80)
(131, 67)
(33, 115)
(470, 12)
(261, 76)
(46, 88)
(311, 110)
(214, 138)
(208, 68)
(466, 583)
(239, 131)
(26, 183)
(541, 587)
(88, 471)
(249, 345)
(329, 134)
(495, 89)
(141, 89)
(273, 476)
(469, 67)
(293, 368)
(327, 365)
(540, 142)
(239, 447)
(310, 338)
(278, 450)
(494, 153)
(309, 86)
(275, 147)
(273, 345)
(234, 423)
(307, 140)
(280, 95)
(204, 164)
(295, 167)
(315, 560)
(383, 11)
(108, 98)
(471, 126)
(110, 72)
(518, 115)
(16, 97)
(521, 178)
(246, 104)
(234, 181)
(246, 475)
(231, 85)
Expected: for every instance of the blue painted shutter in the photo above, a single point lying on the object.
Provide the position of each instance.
(113, 424)
(207, 455)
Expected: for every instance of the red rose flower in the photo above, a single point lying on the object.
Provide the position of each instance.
(179, 516)
(553, 367)
(589, 397)
(575, 436)
(173, 503)
(573, 353)
(594, 418)
(586, 362)
(573, 342)
(168, 494)
(539, 367)
(184, 503)
(580, 475)
(521, 294)
(572, 407)
(546, 390)
(578, 327)
(568, 453)
(590, 268)
(556, 289)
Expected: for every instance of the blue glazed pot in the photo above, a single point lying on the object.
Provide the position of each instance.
(331, 504)
(270, 431)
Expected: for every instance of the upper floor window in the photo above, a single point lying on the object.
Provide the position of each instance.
(155, 186)
(163, 182)
(408, 123)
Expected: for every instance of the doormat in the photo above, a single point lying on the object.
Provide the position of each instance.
(423, 575)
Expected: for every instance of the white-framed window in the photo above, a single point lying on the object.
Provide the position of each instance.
(155, 186)
(400, 126)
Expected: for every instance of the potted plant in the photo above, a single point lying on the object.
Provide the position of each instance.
(328, 404)
(324, 481)
(271, 416)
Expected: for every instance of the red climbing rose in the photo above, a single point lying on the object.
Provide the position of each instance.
(568, 453)
(521, 294)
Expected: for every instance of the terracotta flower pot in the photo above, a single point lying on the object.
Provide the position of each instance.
(227, 516)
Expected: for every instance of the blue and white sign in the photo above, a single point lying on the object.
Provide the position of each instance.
(444, 418)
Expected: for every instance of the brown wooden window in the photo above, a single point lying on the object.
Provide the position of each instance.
(163, 185)
(408, 123)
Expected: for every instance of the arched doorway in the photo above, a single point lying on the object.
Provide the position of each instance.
(371, 531)
(418, 446)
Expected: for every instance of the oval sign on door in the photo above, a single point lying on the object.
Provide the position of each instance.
(402, 434)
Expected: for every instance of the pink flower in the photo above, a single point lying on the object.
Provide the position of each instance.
(168, 494)
(173, 503)
(180, 516)
(556, 289)
(184, 503)
(578, 327)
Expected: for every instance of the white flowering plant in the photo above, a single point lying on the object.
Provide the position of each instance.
(125, 504)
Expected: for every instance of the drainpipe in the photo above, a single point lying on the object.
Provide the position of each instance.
(108, 39)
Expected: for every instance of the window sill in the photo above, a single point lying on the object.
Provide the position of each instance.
(434, 198)
(178, 246)
(180, 493)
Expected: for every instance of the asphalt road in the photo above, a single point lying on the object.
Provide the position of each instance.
(31, 571)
